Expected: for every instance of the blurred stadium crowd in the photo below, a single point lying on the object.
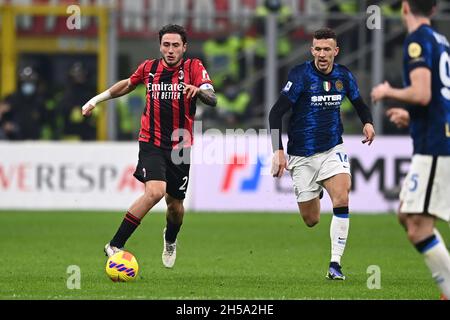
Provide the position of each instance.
(52, 88)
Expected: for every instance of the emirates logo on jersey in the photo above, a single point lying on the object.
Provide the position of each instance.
(165, 90)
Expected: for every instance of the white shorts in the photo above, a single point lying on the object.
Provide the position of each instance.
(308, 172)
(426, 188)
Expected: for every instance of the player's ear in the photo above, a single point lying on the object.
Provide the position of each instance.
(184, 47)
(312, 51)
(433, 11)
(336, 51)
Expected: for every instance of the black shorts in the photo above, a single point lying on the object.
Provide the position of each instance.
(156, 164)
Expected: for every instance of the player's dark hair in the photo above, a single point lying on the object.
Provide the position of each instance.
(173, 28)
(325, 33)
(422, 7)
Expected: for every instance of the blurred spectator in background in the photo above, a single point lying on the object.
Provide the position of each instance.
(71, 125)
(25, 111)
(232, 104)
(350, 119)
(346, 10)
(391, 12)
(8, 127)
(223, 56)
(129, 112)
(284, 46)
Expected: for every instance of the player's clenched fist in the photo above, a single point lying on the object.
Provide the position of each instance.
(120, 88)
(398, 116)
(86, 110)
(380, 91)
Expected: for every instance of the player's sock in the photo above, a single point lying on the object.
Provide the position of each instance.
(437, 259)
(126, 229)
(338, 233)
(172, 230)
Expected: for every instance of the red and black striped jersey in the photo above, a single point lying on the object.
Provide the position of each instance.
(168, 117)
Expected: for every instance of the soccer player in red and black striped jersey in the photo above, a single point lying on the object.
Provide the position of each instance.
(173, 85)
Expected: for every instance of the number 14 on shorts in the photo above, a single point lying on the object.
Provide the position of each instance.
(343, 157)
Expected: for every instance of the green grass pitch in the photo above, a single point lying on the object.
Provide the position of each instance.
(220, 256)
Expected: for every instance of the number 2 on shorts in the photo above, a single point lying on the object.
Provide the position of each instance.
(183, 186)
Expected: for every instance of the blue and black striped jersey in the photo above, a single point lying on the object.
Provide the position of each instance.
(315, 125)
(429, 125)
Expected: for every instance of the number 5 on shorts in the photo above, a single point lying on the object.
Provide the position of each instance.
(414, 182)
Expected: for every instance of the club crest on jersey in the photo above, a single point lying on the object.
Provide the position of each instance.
(339, 85)
(327, 86)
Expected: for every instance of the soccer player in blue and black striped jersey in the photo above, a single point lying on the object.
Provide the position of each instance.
(426, 189)
(314, 92)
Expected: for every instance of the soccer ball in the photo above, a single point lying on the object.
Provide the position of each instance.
(122, 267)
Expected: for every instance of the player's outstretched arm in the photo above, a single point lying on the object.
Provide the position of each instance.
(119, 89)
